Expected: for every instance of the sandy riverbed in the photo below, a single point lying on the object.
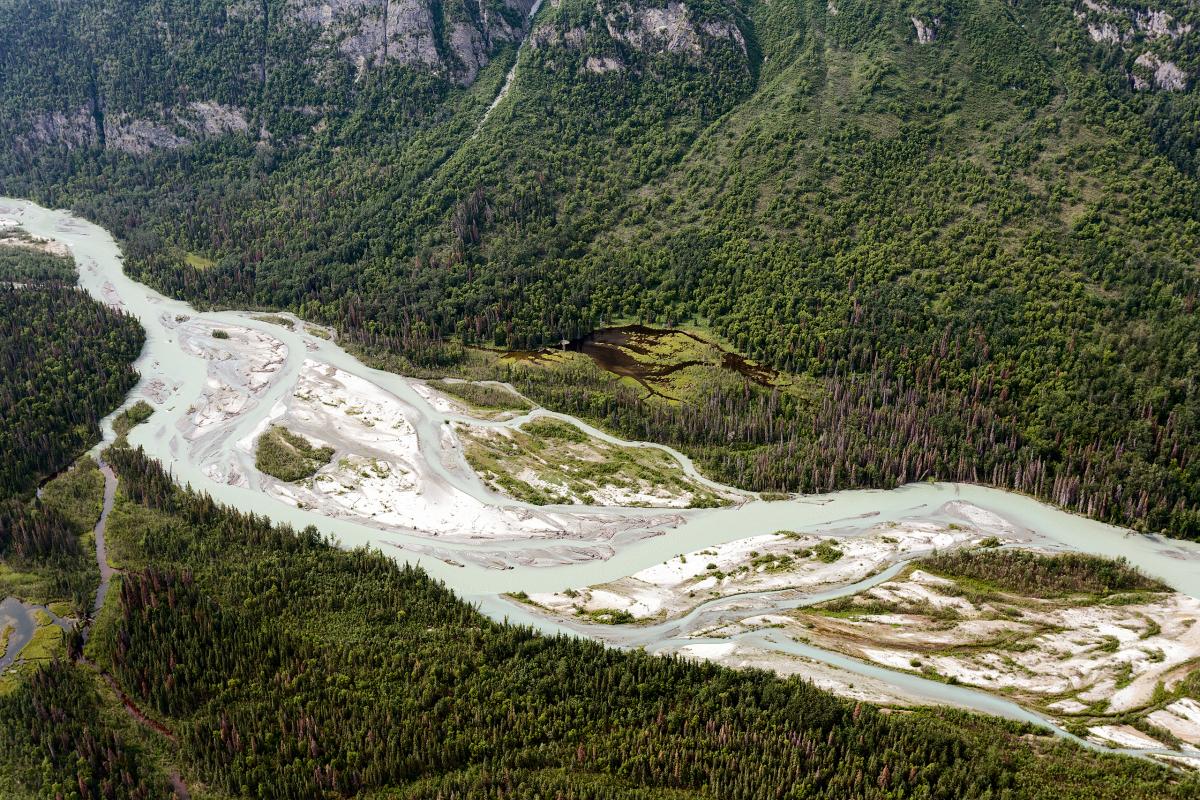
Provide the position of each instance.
(379, 475)
(241, 368)
(504, 545)
(1109, 658)
(771, 563)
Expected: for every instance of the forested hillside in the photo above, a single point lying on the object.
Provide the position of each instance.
(65, 362)
(973, 224)
(388, 686)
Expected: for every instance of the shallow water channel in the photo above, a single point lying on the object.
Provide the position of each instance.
(173, 377)
(18, 618)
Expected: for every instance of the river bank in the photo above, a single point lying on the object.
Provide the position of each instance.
(214, 395)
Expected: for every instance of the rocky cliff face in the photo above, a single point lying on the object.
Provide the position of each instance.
(134, 133)
(300, 56)
(1149, 38)
(927, 30)
(618, 33)
(448, 39)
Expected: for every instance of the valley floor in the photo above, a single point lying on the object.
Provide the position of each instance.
(728, 583)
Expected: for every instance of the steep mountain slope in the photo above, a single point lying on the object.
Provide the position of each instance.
(972, 225)
(140, 77)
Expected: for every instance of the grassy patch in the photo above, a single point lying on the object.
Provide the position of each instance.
(77, 494)
(556, 430)
(827, 552)
(523, 597)
(490, 397)
(289, 456)
(134, 530)
(47, 641)
(198, 261)
(99, 644)
(1044, 576)
(26, 584)
(220, 334)
(550, 461)
(608, 616)
(275, 319)
(851, 607)
(135, 415)
(665, 364)
(773, 562)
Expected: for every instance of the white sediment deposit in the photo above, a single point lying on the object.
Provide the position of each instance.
(398, 481)
(1181, 719)
(240, 370)
(1107, 657)
(770, 563)
(378, 473)
(439, 401)
(12, 236)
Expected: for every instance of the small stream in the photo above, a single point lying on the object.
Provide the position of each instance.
(106, 572)
(19, 615)
(512, 72)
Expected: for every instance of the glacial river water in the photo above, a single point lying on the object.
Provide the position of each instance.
(173, 378)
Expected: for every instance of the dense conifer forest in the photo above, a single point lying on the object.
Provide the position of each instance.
(23, 262)
(384, 684)
(65, 362)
